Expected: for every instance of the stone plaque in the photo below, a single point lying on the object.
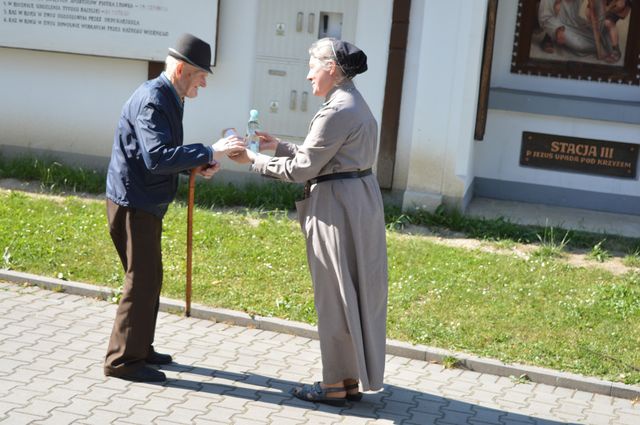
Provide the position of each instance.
(589, 156)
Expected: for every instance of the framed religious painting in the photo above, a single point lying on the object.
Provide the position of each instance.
(595, 40)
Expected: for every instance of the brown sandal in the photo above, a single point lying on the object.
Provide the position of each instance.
(315, 393)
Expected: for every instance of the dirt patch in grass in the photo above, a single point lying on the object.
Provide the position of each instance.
(37, 189)
(576, 258)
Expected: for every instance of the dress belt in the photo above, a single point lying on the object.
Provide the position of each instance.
(334, 176)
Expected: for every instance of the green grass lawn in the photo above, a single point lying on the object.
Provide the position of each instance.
(538, 311)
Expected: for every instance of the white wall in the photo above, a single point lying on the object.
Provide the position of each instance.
(373, 29)
(70, 103)
(435, 143)
(497, 157)
(64, 103)
(228, 97)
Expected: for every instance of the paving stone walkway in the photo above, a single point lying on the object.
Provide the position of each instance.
(52, 345)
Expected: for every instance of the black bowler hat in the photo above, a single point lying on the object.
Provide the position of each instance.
(351, 60)
(193, 51)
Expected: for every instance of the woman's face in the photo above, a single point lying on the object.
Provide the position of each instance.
(322, 79)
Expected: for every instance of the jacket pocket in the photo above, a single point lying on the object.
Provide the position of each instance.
(302, 208)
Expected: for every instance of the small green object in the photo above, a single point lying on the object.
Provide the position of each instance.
(450, 362)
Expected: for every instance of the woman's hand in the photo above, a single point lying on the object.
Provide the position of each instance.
(246, 156)
(227, 146)
(267, 141)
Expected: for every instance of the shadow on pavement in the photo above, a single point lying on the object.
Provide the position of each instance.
(393, 403)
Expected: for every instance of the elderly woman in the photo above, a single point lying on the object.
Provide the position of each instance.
(342, 219)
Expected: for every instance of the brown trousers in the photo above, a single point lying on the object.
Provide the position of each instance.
(136, 236)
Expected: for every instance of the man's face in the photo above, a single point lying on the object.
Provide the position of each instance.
(190, 79)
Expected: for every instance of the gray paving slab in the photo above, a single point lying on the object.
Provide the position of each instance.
(228, 374)
(400, 352)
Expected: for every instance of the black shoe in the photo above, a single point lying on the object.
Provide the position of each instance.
(157, 358)
(144, 374)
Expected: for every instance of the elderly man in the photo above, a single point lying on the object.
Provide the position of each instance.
(142, 181)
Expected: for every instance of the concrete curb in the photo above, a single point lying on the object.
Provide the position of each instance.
(396, 348)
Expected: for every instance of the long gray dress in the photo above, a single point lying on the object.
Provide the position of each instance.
(343, 224)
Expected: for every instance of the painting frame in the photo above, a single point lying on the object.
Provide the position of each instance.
(485, 72)
(625, 71)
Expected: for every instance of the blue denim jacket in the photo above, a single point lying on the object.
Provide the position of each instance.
(148, 154)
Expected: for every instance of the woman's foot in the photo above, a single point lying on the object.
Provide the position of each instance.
(332, 394)
(353, 389)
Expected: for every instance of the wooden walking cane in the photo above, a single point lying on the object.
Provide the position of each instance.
(192, 190)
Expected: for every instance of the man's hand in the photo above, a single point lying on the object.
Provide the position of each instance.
(227, 146)
(208, 170)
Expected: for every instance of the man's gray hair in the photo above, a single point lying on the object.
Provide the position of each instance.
(170, 65)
